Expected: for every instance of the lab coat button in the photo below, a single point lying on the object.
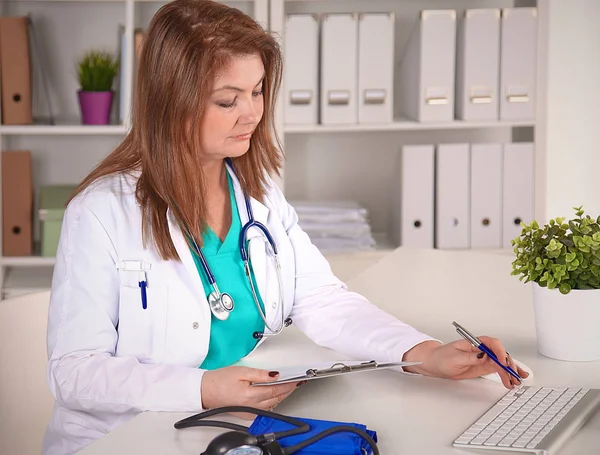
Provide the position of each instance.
(195, 325)
(274, 305)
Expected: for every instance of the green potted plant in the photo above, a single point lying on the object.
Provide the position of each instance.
(96, 71)
(562, 261)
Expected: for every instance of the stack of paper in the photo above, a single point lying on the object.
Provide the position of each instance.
(335, 226)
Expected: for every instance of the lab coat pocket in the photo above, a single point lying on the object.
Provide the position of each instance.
(142, 332)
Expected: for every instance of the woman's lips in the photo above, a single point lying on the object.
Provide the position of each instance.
(243, 137)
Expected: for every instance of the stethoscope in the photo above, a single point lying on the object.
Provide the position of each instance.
(221, 303)
(240, 442)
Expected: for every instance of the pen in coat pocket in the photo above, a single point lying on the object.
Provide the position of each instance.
(143, 283)
(138, 266)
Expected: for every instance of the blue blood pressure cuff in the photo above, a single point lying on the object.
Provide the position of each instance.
(342, 443)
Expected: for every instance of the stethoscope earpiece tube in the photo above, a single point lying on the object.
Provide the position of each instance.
(197, 420)
(260, 335)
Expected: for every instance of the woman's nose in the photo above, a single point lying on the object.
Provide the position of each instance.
(250, 113)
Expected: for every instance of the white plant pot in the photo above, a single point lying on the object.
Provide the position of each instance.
(567, 325)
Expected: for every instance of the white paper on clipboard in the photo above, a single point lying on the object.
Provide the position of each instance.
(328, 369)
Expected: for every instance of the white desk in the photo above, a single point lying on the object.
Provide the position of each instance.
(412, 414)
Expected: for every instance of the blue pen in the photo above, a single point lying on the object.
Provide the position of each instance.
(142, 284)
(479, 345)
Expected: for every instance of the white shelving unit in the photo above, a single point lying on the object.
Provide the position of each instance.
(322, 162)
(62, 130)
(357, 161)
(404, 125)
(27, 261)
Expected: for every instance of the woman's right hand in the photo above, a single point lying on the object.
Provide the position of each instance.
(231, 386)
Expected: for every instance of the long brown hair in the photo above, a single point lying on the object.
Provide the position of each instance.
(187, 45)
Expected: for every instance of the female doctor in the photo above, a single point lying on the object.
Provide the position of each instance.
(151, 302)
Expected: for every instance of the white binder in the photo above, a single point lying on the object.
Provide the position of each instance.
(413, 222)
(339, 72)
(478, 65)
(301, 78)
(427, 69)
(486, 196)
(518, 58)
(517, 193)
(452, 195)
(375, 68)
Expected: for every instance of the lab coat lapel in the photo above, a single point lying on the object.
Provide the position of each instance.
(187, 268)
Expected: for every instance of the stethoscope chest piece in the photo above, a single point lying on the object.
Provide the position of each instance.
(220, 305)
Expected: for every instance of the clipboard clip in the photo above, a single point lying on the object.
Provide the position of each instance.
(337, 368)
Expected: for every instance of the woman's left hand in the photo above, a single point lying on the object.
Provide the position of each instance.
(460, 360)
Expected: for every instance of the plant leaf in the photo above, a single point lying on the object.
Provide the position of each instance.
(96, 71)
(564, 288)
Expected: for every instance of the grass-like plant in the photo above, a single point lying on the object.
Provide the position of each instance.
(96, 71)
(561, 254)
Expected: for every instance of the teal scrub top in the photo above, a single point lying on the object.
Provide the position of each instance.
(232, 339)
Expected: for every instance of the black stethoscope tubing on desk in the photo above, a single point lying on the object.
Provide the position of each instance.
(221, 303)
(241, 442)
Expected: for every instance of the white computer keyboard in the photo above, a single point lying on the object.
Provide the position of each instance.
(531, 419)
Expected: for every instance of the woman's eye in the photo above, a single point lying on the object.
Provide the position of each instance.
(227, 105)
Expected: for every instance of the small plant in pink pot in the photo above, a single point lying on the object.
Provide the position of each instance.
(96, 72)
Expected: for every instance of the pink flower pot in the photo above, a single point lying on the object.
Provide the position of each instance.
(95, 107)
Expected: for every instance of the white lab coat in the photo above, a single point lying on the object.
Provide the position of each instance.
(109, 359)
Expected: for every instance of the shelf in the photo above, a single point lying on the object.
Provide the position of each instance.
(19, 281)
(405, 125)
(27, 261)
(384, 245)
(66, 1)
(164, 1)
(402, 125)
(63, 130)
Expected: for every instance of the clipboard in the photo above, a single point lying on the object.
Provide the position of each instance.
(327, 370)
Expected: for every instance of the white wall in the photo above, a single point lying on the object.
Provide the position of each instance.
(572, 131)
